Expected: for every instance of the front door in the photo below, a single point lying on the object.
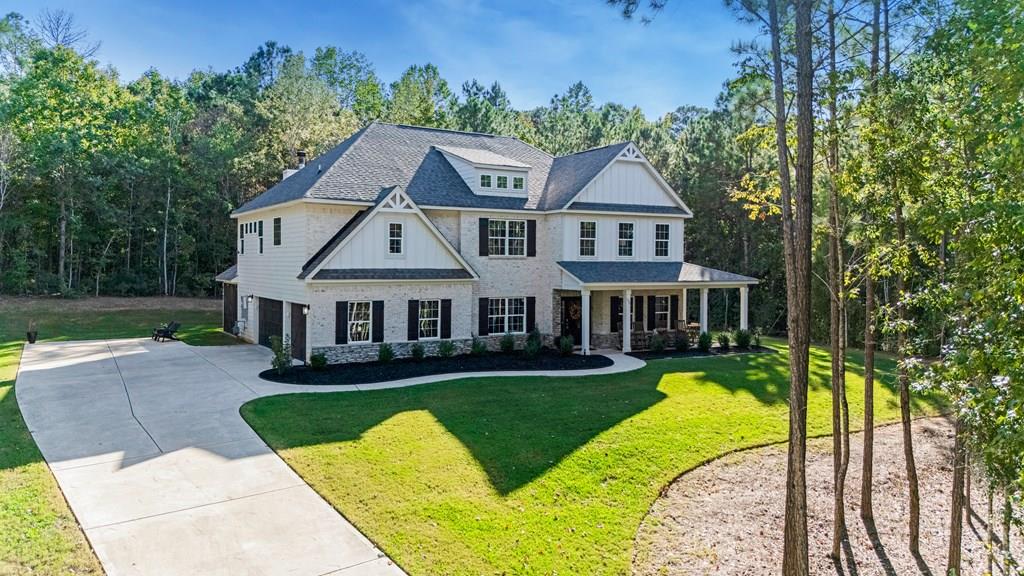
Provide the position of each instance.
(572, 318)
(230, 307)
(298, 333)
(271, 320)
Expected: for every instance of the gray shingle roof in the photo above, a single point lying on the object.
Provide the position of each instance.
(590, 272)
(478, 156)
(228, 275)
(393, 274)
(384, 155)
(634, 208)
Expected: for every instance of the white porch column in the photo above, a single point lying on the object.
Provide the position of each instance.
(743, 307)
(703, 309)
(627, 319)
(585, 331)
(683, 309)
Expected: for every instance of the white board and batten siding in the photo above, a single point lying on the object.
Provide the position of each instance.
(608, 237)
(626, 182)
(368, 248)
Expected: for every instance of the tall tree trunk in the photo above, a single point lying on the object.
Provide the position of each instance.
(867, 511)
(1007, 520)
(990, 532)
(62, 225)
(163, 257)
(956, 516)
(904, 382)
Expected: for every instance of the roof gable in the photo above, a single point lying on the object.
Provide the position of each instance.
(630, 180)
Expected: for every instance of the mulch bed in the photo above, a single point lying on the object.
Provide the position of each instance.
(726, 518)
(370, 372)
(695, 353)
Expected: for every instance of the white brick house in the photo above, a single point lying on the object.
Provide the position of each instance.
(403, 234)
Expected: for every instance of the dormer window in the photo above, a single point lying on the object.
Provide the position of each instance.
(502, 181)
(518, 182)
(485, 180)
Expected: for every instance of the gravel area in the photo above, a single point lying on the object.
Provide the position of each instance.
(727, 517)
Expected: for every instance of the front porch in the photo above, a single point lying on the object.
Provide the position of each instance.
(605, 310)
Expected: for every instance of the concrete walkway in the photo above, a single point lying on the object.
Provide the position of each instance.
(165, 476)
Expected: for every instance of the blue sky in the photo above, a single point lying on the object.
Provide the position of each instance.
(535, 48)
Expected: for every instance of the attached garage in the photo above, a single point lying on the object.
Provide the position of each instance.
(230, 306)
(271, 320)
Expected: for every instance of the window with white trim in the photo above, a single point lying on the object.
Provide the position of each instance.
(359, 319)
(502, 181)
(588, 238)
(661, 312)
(277, 231)
(626, 233)
(506, 315)
(485, 180)
(261, 236)
(661, 240)
(430, 319)
(506, 237)
(395, 238)
(518, 183)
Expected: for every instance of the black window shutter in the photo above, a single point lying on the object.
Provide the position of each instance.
(673, 312)
(414, 320)
(341, 322)
(531, 237)
(446, 318)
(616, 314)
(485, 224)
(531, 313)
(377, 330)
(482, 318)
(637, 313)
(650, 312)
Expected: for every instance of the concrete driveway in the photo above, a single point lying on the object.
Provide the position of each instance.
(164, 476)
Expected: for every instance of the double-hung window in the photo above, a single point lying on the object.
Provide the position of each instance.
(502, 181)
(518, 183)
(277, 231)
(661, 311)
(261, 236)
(506, 315)
(626, 230)
(430, 319)
(661, 240)
(485, 180)
(588, 238)
(241, 239)
(506, 237)
(395, 238)
(359, 317)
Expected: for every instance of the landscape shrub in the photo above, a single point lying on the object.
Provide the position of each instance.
(282, 350)
(566, 344)
(723, 341)
(533, 344)
(385, 353)
(657, 343)
(508, 343)
(757, 336)
(478, 348)
(446, 349)
(743, 339)
(682, 342)
(318, 361)
(417, 351)
(704, 342)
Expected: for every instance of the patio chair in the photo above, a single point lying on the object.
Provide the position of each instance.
(166, 332)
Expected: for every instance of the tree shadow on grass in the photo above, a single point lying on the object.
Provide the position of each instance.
(516, 429)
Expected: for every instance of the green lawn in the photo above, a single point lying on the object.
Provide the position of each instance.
(533, 475)
(38, 533)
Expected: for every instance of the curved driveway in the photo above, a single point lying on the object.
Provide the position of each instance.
(164, 475)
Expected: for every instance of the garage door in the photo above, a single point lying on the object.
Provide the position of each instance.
(230, 306)
(271, 320)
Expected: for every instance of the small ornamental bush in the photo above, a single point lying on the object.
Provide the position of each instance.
(385, 353)
(282, 350)
(704, 342)
(757, 336)
(318, 361)
(743, 339)
(445, 349)
(508, 343)
(479, 347)
(723, 341)
(566, 344)
(682, 341)
(417, 351)
(533, 345)
(657, 343)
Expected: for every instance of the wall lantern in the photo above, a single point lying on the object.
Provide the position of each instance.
(305, 310)
(248, 299)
